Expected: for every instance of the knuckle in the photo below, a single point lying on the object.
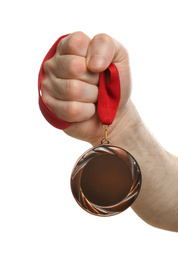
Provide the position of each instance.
(44, 85)
(59, 46)
(76, 67)
(46, 99)
(73, 111)
(103, 37)
(74, 89)
(48, 66)
(75, 41)
(47, 86)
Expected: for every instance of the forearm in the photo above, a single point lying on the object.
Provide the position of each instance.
(157, 203)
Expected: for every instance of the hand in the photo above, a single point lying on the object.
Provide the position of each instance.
(70, 85)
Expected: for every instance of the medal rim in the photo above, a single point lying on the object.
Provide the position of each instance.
(105, 207)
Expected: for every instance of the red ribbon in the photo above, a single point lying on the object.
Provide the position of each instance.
(108, 99)
(47, 113)
(109, 96)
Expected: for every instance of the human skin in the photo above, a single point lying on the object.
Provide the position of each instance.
(70, 90)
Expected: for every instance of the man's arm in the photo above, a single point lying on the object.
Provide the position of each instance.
(157, 203)
(70, 90)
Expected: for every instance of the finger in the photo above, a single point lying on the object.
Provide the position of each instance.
(70, 111)
(70, 67)
(70, 90)
(100, 53)
(103, 51)
(76, 44)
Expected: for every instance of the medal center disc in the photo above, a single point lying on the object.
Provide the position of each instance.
(106, 180)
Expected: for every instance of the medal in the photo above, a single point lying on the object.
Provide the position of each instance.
(106, 179)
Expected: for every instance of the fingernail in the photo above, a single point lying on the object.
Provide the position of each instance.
(96, 61)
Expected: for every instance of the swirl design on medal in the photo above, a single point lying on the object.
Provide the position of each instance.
(76, 181)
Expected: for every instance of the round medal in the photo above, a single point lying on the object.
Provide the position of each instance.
(105, 180)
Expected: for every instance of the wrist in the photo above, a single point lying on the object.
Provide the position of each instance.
(127, 128)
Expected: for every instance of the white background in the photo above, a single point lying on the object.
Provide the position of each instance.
(39, 218)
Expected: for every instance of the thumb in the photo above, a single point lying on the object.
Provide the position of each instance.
(101, 52)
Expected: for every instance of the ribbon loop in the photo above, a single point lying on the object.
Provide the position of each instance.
(109, 96)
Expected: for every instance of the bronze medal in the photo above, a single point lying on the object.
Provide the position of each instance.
(105, 180)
